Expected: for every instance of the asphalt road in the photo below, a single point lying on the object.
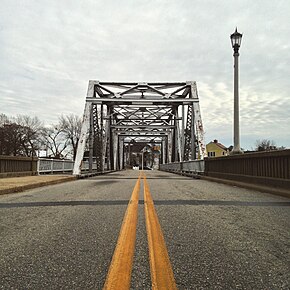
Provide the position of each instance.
(217, 236)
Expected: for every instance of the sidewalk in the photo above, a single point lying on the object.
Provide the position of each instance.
(17, 184)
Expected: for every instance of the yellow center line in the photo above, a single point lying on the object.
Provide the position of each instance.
(119, 275)
(162, 276)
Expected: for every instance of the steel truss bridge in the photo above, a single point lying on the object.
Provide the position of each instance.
(119, 113)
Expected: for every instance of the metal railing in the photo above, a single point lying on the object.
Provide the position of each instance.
(46, 165)
(191, 167)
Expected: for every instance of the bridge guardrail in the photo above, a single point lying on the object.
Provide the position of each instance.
(17, 166)
(275, 164)
(194, 167)
(270, 168)
(46, 165)
(11, 166)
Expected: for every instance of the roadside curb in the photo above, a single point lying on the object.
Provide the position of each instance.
(92, 174)
(194, 175)
(35, 185)
(272, 190)
(21, 188)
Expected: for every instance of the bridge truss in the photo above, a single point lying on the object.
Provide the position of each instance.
(117, 114)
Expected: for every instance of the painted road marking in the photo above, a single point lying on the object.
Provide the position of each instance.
(162, 276)
(119, 275)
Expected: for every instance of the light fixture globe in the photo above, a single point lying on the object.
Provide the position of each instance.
(236, 39)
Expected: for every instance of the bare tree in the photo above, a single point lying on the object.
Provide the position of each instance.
(71, 128)
(24, 135)
(3, 119)
(19, 136)
(54, 141)
(10, 140)
(31, 128)
(265, 145)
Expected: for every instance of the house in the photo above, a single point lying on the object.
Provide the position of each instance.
(216, 149)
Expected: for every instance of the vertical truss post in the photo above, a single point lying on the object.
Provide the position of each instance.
(199, 132)
(102, 141)
(104, 135)
(98, 146)
(111, 150)
(175, 134)
(91, 141)
(115, 150)
(163, 150)
(194, 133)
(169, 147)
(121, 152)
(182, 131)
(109, 139)
(179, 140)
(188, 134)
(192, 145)
(84, 131)
(124, 150)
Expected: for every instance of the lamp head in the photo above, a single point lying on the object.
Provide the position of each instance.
(236, 39)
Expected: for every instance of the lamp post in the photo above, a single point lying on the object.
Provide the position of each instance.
(236, 39)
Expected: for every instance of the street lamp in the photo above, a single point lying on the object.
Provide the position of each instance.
(236, 39)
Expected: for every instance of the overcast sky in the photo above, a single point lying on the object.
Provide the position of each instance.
(49, 49)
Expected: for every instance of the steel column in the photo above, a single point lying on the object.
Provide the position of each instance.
(91, 141)
(83, 137)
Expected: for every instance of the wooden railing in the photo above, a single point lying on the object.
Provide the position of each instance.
(270, 168)
(17, 166)
(274, 164)
(20, 166)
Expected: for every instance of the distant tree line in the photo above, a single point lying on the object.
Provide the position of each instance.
(267, 145)
(27, 136)
(262, 145)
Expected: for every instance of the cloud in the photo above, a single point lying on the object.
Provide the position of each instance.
(50, 49)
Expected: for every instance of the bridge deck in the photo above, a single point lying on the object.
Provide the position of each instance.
(217, 236)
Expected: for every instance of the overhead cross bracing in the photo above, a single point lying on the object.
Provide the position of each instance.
(118, 113)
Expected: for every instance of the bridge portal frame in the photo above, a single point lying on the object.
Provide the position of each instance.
(116, 112)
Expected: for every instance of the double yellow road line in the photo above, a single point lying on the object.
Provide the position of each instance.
(119, 275)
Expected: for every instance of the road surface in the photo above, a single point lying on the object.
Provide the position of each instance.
(216, 236)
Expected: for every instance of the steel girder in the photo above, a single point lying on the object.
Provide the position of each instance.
(116, 113)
